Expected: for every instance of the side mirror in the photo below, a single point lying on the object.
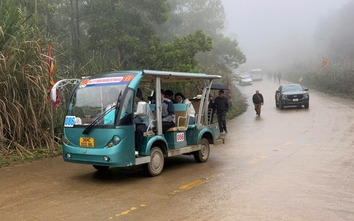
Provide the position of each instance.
(141, 109)
(53, 94)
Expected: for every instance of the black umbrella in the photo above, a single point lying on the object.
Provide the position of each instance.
(216, 86)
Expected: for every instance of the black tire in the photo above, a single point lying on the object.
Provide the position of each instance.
(202, 155)
(156, 164)
(276, 104)
(281, 105)
(306, 105)
(100, 168)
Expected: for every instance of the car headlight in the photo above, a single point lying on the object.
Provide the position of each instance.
(283, 96)
(306, 95)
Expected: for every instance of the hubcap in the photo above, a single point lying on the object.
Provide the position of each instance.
(156, 161)
(203, 150)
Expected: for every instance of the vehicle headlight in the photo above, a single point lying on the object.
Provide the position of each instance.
(283, 96)
(306, 95)
(115, 140)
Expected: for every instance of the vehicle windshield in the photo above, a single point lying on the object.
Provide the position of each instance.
(245, 77)
(292, 87)
(96, 97)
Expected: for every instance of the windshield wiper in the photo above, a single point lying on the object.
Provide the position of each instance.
(88, 129)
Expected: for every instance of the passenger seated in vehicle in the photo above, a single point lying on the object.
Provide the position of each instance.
(181, 99)
(141, 122)
(168, 113)
(169, 95)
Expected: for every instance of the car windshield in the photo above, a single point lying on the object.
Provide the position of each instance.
(292, 87)
(245, 77)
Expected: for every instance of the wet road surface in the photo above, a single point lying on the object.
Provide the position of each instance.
(292, 164)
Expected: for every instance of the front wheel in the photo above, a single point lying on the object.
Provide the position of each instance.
(202, 155)
(155, 166)
(281, 105)
(307, 105)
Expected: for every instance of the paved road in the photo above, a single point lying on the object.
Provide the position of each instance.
(292, 164)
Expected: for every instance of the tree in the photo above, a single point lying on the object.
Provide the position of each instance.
(178, 55)
(116, 29)
(187, 16)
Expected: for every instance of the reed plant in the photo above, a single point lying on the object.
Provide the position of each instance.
(25, 116)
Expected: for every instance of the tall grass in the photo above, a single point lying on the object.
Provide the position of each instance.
(25, 116)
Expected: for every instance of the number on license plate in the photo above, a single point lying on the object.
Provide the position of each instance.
(87, 142)
(295, 99)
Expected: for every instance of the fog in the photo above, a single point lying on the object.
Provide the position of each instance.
(275, 33)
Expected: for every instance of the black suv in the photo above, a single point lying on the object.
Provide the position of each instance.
(291, 95)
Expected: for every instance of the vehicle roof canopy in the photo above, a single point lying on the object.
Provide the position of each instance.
(165, 76)
(169, 76)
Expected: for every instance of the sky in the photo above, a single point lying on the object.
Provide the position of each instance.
(272, 33)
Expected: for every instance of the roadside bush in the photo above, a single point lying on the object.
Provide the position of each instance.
(331, 80)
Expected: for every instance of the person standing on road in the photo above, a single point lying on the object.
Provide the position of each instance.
(222, 107)
(279, 77)
(258, 101)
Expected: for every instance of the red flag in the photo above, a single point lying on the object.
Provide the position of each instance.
(50, 65)
(325, 62)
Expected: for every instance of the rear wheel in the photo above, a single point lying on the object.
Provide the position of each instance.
(202, 155)
(100, 168)
(155, 166)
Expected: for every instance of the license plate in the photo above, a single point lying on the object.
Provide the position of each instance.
(87, 142)
(295, 99)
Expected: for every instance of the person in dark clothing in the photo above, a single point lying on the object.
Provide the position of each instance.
(222, 107)
(258, 101)
(168, 113)
(169, 95)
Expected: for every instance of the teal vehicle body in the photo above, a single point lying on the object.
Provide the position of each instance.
(99, 128)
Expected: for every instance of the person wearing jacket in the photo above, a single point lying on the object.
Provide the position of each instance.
(168, 113)
(222, 107)
(258, 101)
